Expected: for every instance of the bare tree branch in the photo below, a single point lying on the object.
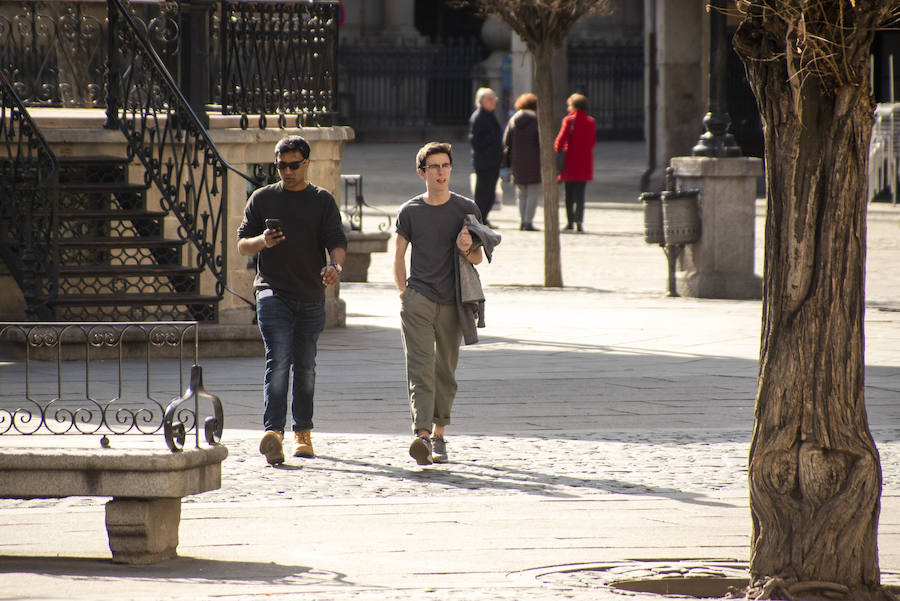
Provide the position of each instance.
(544, 26)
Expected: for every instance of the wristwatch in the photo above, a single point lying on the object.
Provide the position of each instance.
(337, 266)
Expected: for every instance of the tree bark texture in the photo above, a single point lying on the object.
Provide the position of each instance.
(814, 473)
(543, 81)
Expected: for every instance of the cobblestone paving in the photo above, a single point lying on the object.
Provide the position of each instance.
(686, 464)
(678, 463)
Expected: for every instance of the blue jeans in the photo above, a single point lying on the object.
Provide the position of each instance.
(290, 330)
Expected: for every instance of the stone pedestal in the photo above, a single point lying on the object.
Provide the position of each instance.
(360, 247)
(399, 21)
(720, 264)
(143, 531)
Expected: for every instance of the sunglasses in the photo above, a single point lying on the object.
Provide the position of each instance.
(293, 165)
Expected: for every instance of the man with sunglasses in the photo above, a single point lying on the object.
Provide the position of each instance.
(290, 225)
(433, 224)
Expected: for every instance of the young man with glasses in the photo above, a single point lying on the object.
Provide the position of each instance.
(432, 224)
(291, 225)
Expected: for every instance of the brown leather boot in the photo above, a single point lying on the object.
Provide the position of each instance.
(272, 447)
(303, 444)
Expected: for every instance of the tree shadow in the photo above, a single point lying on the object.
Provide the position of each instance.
(506, 479)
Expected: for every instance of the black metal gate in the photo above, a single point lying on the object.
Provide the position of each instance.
(612, 78)
(401, 89)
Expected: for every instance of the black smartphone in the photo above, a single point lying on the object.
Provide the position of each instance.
(273, 224)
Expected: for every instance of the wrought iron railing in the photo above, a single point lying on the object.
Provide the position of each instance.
(29, 173)
(353, 209)
(265, 58)
(77, 378)
(278, 58)
(164, 133)
(54, 51)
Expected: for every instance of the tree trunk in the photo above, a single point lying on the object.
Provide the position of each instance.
(814, 474)
(543, 81)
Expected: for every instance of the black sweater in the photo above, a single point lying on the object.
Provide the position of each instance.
(312, 225)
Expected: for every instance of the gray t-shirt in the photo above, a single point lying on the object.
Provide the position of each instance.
(431, 231)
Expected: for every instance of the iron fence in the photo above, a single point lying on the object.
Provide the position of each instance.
(387, 86)
(55, 51)
(264, 58)
(168, 138)
(77, 378)
(277, 58)
(612, 78)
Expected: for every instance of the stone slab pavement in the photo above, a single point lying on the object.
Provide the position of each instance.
(601, 429)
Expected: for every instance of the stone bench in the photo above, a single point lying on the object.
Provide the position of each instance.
(146, 486)
(87, 428)
(360, 247)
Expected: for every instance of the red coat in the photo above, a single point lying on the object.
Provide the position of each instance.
(577, 137)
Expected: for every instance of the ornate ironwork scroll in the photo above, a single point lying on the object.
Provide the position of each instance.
(181, 411)
(165, 134)
(266, 58)
(76, 378)
(354, 209)
(278, 58)
(29, 173)
(54, 51)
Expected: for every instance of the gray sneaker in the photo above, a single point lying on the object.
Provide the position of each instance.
(440, 449)
(420, 450)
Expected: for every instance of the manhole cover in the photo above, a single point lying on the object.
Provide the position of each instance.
(697, 578)
(693, 578)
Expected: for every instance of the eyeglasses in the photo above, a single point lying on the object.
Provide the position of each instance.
(293, 165)
(435, 167)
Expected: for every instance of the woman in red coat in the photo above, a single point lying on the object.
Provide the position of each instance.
(576, 138)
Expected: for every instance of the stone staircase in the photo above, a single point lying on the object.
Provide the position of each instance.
(114, 261)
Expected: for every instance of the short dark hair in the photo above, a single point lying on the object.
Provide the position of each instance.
(526, 101)
(430, 149)
(291, 143)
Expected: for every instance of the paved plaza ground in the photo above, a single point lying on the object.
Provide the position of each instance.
(599, 429)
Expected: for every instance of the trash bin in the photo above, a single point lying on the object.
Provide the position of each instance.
(653, 217)
(680, 217)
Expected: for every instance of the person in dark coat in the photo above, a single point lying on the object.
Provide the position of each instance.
(576, 138)
(485, 138)
(523, 149)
